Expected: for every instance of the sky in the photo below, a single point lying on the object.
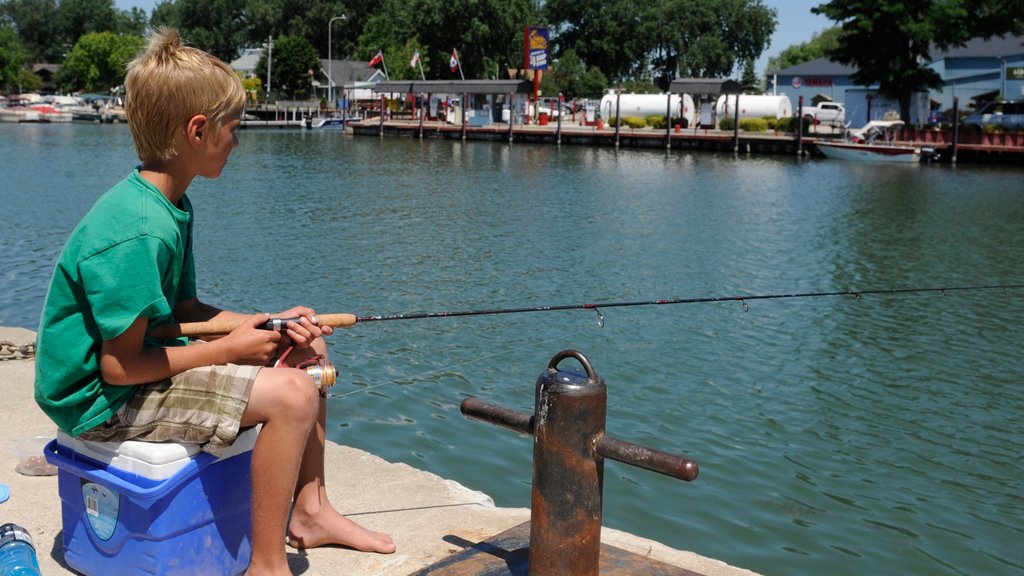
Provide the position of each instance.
(796, 24)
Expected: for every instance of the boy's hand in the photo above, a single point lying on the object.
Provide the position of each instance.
(249, 344)
(302, 333)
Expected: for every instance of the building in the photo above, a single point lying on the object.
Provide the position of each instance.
(351, 81)
(979, 71)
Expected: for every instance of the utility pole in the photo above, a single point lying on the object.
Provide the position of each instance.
(270, 60)
(330, 79)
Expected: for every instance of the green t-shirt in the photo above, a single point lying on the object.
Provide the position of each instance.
(131, 256)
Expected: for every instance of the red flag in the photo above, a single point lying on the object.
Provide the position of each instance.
(454, 62)
(376, 59)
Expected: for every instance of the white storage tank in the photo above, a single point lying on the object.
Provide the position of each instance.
(644, 105)
(754, 106)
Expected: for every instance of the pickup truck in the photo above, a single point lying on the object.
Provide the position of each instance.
(827, 113)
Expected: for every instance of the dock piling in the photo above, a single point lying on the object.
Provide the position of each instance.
(570, 447)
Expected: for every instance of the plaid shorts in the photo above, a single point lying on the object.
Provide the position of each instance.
(200, 406)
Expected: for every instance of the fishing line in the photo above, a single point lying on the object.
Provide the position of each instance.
(742, 299)
(331, 394)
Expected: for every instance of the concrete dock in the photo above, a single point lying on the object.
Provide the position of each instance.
(430, 518)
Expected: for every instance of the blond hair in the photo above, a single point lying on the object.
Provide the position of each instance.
(167, 84)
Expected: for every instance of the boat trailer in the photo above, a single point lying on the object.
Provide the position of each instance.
(563, 535)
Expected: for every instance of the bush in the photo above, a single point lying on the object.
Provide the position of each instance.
(726, 123)
(785, 124)
(753, 124)
(656, 122)
(634, 122)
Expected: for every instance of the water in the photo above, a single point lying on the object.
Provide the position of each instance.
(835, 435)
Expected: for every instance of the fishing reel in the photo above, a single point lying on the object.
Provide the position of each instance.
(322, 371)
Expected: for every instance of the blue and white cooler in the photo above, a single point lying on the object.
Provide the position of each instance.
(154, 508)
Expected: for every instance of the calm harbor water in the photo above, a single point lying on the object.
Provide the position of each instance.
(842, 436)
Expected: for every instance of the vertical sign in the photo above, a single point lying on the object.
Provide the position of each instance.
(535, 47)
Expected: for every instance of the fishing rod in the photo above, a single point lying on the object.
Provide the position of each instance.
(194, 329)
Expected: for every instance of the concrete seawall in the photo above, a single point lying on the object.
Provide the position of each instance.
(423, 512)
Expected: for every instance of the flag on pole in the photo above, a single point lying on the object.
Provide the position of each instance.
(377, 59)
(454, 62)
(415, 59)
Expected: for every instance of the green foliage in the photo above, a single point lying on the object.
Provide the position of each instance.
(97, 62)
(13, 58)
(253, 88)
(726, 123)
(786, 124)
(817, 47)
(656, 122)
(750, 82)
(890, 41)
(28, 81)
(628, 39)
(210, 25)
(488, 36)
(754, 124)
(49, 29)
(36, 24)
(294, 64)
(633, 122)
(76, 18)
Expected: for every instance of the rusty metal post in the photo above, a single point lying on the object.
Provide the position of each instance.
(565, 537)
(569, 450)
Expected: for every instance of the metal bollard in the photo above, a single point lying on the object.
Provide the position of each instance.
(569, 449)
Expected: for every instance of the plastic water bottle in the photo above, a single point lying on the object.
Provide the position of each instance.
(17, 553)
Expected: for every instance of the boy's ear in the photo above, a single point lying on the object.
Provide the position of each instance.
(196, 129)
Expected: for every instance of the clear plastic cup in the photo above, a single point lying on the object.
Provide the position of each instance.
(31, 461)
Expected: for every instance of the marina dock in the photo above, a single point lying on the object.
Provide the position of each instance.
(975, 148)
(430, 518)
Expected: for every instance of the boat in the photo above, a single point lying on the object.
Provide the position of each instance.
(19, 114)
(334, 122)
(875, 142)
(48, 113)
(330, 123)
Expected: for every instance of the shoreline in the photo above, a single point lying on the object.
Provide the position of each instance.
(429, 517)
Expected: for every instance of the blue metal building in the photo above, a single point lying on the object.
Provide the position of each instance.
(979, 71)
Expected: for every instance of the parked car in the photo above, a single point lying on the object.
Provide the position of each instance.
(938, 119)
(1008, 115)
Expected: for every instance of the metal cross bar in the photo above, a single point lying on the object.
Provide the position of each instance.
(569, 450)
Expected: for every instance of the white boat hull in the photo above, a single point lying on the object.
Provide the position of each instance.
(869, 152)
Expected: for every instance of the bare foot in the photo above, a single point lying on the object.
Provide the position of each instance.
(330, 527)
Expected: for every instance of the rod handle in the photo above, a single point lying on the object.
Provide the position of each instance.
(192, 329)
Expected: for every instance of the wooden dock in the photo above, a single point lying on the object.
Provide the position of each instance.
(971, 148)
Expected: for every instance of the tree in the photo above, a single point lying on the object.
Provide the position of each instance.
(13, 58)
(817, 47)
(750, 82)
(216, 26)
(35, 22)
(309, 19)
(602, 32)
(98, 60)
(634, 40)
(488, 38)
(76, 18)
(294, 64)
(890, 41)
(131, 21)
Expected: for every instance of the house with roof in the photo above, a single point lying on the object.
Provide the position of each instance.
(349, 80)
